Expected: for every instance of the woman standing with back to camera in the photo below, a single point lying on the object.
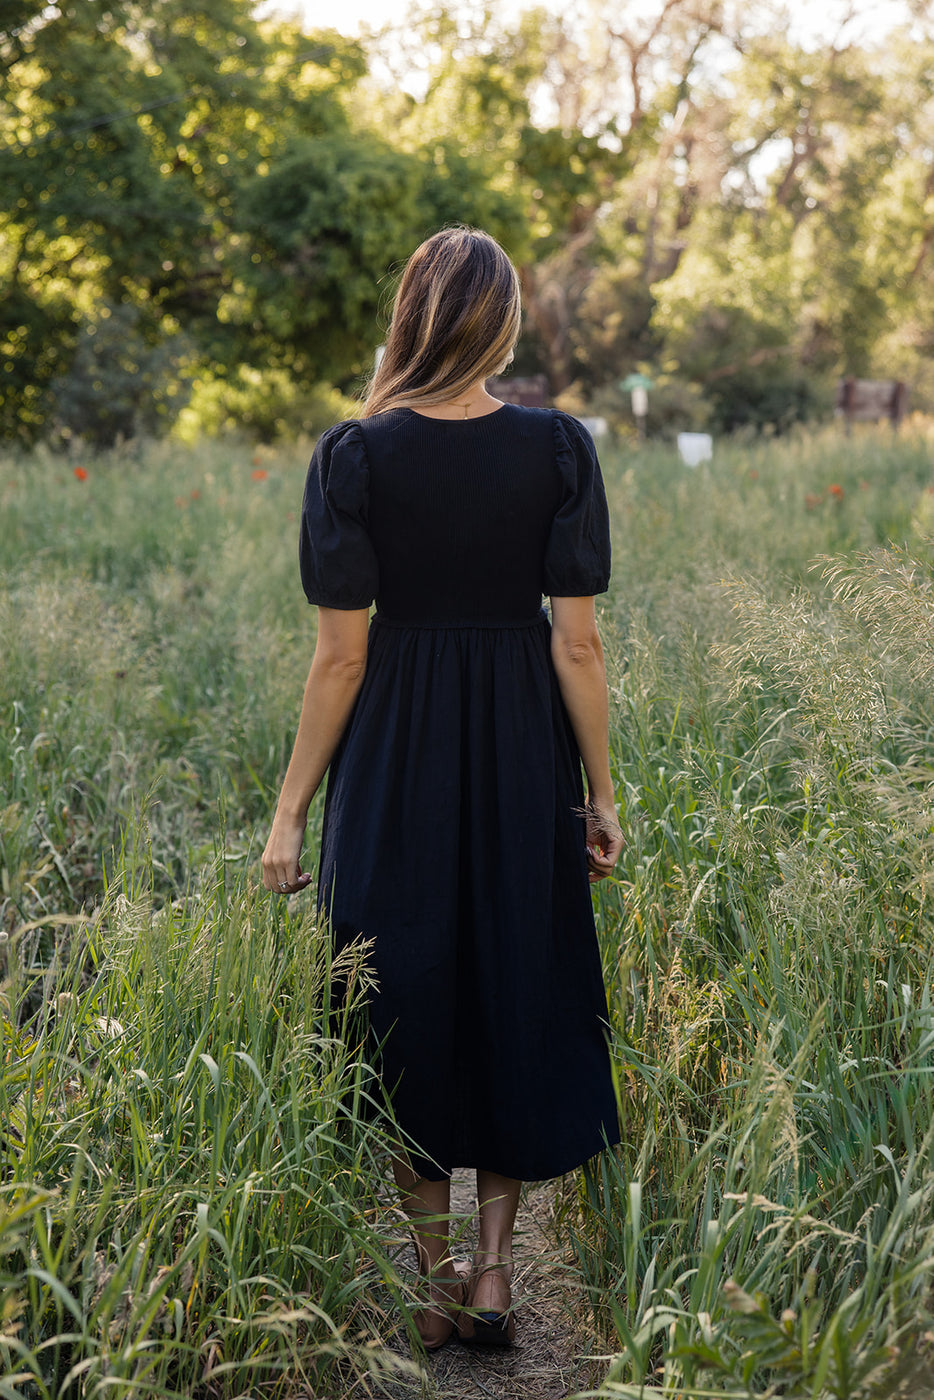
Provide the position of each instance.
(456, 832)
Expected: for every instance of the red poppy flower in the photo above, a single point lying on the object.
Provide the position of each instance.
(196, 495)
(812, 502)
(259, 475)
(753, 474)
(81, 474)
(835, 491)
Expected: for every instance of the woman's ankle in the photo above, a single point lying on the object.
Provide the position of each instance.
(434, 1262)
(499, 1259)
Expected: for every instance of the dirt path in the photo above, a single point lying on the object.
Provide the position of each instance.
(546, 1362)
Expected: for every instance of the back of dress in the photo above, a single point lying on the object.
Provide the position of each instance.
(446, 521)
(452, 834)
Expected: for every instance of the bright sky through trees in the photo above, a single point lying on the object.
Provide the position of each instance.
(812, 22)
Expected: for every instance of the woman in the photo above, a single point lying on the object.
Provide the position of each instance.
(456, 832)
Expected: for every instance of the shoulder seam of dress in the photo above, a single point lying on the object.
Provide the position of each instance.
(339, 428)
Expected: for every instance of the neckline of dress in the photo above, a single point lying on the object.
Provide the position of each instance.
(427, 418)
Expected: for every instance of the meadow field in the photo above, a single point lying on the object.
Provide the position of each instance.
(192, 1150)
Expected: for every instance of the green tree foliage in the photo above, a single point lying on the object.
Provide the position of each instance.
(526, 103)
(324, 226)
(199, 168)
(797, 263)
(120, 383)
(686, 187)
(101, 191)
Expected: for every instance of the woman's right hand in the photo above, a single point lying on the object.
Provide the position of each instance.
(282, 871)
(331, 690)
(604, 838)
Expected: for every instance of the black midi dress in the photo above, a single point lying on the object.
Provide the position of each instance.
(453, 836)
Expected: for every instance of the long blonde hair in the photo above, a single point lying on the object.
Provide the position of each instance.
(455, 320)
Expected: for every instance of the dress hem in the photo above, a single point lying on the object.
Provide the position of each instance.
(608, 1142)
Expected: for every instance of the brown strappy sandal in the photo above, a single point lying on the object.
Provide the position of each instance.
(487, 1328)
(435, 1325)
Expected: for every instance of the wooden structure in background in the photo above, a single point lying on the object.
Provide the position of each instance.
(868, 400)
(531, 391)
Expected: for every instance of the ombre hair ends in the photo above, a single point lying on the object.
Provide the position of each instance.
(455, 321)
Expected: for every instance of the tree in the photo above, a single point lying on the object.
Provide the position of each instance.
(324, 226)
(127, 135)
(681, 182)
(808, 265)
(119, 384)
(523, 104)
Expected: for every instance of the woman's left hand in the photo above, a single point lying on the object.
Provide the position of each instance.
(604, 839)
(282, 871)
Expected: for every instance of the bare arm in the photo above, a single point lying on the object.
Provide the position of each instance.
(334, 681)
(577, 655)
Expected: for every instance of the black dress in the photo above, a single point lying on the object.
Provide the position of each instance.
(452, 830)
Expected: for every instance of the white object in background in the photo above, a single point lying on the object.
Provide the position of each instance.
(640, 401)
(378, 357)
(695, 448)
(596, 427)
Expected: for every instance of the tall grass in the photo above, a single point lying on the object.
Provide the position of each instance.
(152, 634)
(191, 1155)
(192, 1148)
(767, 1226)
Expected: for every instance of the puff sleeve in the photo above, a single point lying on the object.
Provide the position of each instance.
(577, 555)
(338, 563)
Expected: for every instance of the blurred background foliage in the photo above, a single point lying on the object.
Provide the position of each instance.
(203, 205)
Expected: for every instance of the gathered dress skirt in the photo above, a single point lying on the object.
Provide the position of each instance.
(454, 841)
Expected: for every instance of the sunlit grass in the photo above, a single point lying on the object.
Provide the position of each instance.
(767, 1222)
(192, 1153)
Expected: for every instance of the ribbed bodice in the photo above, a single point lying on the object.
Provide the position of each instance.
(449, 523)
(460, 513)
